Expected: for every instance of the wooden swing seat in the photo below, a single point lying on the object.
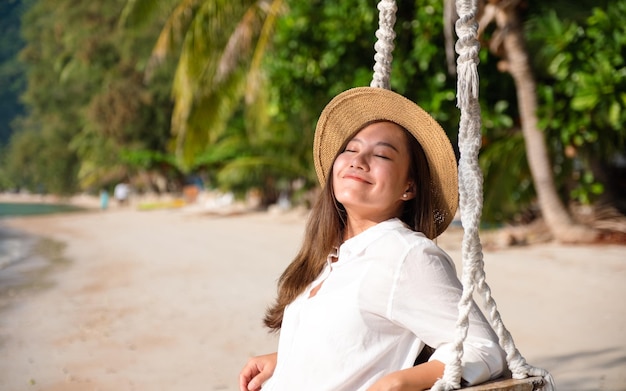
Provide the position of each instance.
(503, 383)
(508, 384)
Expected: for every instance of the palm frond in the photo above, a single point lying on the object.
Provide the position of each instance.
(214, 70)
(137, 13)
(227, 149)
(238, 44)
(206, 120)
(248, 169)
(273, 10)
(173, 32)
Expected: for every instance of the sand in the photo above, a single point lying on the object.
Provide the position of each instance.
(173, 300)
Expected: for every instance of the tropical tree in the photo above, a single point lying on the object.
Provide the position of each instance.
(53, 116)
(507, 41)
(218, 46)
(86, 98)
(305, 68)
(12, 78)
(245, 143)
(581, 65)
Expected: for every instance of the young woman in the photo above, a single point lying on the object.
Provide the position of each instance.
(369, 288)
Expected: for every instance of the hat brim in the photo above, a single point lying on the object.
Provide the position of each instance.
(352, 109)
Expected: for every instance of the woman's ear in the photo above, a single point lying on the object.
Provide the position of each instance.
(409, 193)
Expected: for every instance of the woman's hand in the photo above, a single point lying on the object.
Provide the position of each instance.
(256, 372)
(421, 377)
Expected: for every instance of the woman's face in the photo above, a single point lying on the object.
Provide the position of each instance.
(370, 177)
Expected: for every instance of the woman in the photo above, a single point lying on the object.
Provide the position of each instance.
(369, 288)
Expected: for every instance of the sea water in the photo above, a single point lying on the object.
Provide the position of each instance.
(21, 254)
(14, 247)
(9, 209)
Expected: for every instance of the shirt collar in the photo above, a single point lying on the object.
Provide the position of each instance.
(357, 244)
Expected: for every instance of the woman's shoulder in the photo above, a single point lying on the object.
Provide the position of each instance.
(401, 233)
(402, 253)
(415, 246)
(398, 240)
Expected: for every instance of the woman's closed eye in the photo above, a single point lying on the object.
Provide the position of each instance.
(384, 156)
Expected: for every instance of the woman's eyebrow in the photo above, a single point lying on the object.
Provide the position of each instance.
(386, 144)
(378, 143)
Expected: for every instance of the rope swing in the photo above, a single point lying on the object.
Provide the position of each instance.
(470, 187)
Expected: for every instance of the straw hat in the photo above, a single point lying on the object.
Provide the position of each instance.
(352, 109)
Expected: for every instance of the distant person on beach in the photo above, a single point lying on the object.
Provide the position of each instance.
(121, 193)
(104, 199)
(369, 290)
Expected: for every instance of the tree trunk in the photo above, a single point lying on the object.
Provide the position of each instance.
(561, 224)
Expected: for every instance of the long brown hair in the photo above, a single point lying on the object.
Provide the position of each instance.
(326, 224)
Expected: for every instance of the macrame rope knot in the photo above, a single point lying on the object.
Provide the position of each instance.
(470, 182)
(384, 45)
(470, 205)
(470, 186)
(468, 48)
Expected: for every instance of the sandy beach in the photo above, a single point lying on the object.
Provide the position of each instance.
(171, 299)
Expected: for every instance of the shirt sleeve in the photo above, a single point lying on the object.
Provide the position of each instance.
(424, 299)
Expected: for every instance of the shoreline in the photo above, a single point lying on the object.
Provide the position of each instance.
(173, 300)
(26, 264)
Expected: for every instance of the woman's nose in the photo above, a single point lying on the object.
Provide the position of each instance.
(359, 161)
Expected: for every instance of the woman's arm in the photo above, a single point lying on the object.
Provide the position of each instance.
(256, 372)
(426, 302)
(418, 378)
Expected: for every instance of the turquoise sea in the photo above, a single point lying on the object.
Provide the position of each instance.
(10, 209)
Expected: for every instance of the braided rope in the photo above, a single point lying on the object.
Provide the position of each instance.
(470, 204)
(470, 187)
(470, 181)
(384, 45)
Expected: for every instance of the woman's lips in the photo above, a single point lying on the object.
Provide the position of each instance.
(355, 178)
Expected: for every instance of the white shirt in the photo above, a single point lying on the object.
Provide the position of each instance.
(390, 291)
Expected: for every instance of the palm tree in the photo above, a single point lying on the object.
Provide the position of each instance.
(508, 42)
(219, 45)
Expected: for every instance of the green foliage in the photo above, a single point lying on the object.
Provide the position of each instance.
(573, 86)
(327, 58)
(241, 84)
(308, 66)
(217, 46)
(508, 188)
(40, 163)
(420, 72)
(87, 98)
(582, 90)
(311, 65)
(17, 156)
(12, 78)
